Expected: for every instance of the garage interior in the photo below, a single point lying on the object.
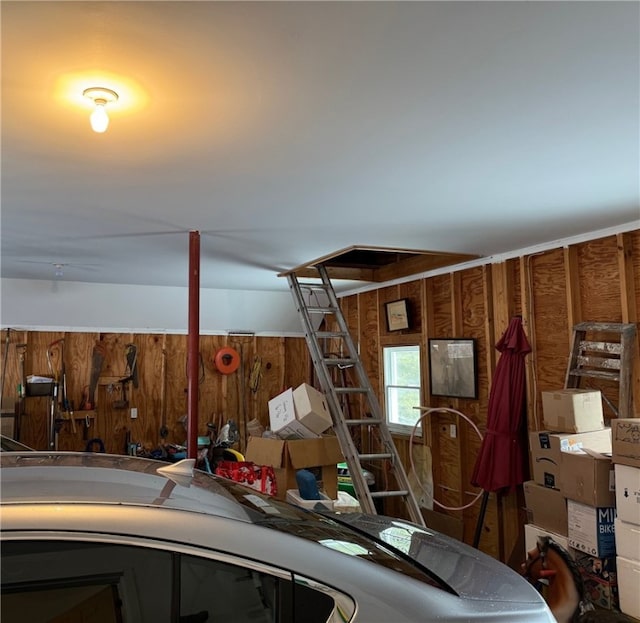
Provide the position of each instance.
(95, 258)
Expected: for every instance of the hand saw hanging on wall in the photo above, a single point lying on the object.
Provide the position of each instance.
(131, 371)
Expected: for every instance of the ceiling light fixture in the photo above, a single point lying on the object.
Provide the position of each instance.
(101, 97)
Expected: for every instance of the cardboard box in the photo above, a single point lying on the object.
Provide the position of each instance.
(318, 455)
(625, 438)
(283, 420)
(545, 448)
(293, 497)
(588, 477)
(533, 532)
(591, 529)
(572, 410)
(311, 408)
(600, 580)
(628, 582)
(628, 493)
(627, 539)
(546, 508)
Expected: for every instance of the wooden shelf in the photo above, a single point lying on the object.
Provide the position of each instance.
(82, 415)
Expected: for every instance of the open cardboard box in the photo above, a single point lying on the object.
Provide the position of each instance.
(625, 434)
(286, 457)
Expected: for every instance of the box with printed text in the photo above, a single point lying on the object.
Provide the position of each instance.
(628, 493)
(546, 448)
(591, 530)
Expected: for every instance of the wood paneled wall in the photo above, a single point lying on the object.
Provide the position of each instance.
(282, 363)
(593, 281)
(596, 281)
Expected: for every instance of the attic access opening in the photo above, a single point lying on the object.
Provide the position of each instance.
(378, 264)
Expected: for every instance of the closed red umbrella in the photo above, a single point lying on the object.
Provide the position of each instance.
(501, 461)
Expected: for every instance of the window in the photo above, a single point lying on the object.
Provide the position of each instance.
(402, 387)
(56, 581)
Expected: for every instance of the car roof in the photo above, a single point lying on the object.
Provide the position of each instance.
(75, 477)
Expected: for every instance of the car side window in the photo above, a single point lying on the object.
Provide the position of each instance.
(55, 581)
(243, 595)
(62, 581)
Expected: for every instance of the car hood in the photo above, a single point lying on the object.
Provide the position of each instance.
(467, 571)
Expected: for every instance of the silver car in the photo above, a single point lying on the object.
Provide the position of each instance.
(126, 539)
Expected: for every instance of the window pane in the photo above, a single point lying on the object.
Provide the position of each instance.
(44, 581)
(402, 402)
(226, 592)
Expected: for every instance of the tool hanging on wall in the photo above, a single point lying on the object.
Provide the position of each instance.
(164, 431)
(60, 379)
(4, 363)
(21, 349)
(98, 356)
(227, 360)
(131, 371)
(256, 374)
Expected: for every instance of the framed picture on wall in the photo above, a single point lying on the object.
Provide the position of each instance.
(397, 315)
(452, 367)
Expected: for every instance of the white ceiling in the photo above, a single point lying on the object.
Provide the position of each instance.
(285, 131)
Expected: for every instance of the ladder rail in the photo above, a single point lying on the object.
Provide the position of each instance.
(344, 438)
(343, 425)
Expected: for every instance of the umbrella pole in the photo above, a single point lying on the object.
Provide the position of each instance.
(480, 523)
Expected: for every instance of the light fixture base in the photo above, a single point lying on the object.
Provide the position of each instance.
(100, 94)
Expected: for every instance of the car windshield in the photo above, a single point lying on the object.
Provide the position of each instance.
(325, 529)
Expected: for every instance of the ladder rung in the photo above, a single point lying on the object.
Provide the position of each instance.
(312, 286)
(609, 348)
(322, 310)
(330, 334)
(351, 390)
(598, 362)
(334, 361)
(375, 457)
(596, 374)
(363, 422)
(388, 494)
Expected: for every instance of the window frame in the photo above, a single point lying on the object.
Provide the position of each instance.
(394, 427)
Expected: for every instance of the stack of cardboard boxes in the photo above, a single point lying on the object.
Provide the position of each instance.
(572, 495)
(626, 458)
(299, 439)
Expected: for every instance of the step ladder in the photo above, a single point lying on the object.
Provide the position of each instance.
(604, 352)
(333, 328)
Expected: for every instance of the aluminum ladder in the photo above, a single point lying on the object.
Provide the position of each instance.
(327, 307)
(604, 351)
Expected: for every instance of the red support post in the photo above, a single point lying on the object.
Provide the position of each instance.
(193, 344)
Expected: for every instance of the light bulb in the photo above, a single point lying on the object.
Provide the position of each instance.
(99, 118)
(100, 96)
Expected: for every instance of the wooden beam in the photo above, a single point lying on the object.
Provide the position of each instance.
(628, 298)
(336, 272)
(572, 287)
(420, 263)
